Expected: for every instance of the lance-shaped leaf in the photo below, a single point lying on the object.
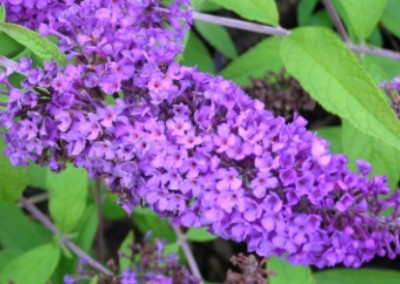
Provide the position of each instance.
(363, 15)
(390, 18)
(331, 74)
(289, 274)
(255, 62)
(39, 45)
(68, 192)
(218, 37)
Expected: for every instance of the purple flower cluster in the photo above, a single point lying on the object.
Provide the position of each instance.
(31, 13)
(392, 89)
(150, 266)
(193, 147)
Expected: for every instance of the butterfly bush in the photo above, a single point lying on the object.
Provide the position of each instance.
(191, 146)
(31, 13)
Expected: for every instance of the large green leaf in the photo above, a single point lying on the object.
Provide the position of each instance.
(264, 11)
(68, 192)
(263, 57)
(7, 255)
(332, 75)
(384, 158)
(33, 267)
(390, 19)
(218, 37)
(41, 46)
(17, 231)
(13, 180)
(289, 274)
(357, 276)
(196, 53)
(363, 15)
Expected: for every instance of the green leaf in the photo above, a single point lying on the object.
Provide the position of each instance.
(357, 276)
(332, 75)
(94, 280)
(41, 46)
(13, 180)
(2, 13)
(256, 62)
(363, 15)
(199, 235)
(124, 261)
(33, 267)
(322, 19)
(384, 159)
(146, 221)
(66, 265)
(205, 6)
(68, 192)
(334, 135)
(375, 38)
(305, 10)
(171, 249)
(218, 37)
(390, 19)
(111, 210)
(390, 66)
(37, 176)
(16, 227)
(7, 255)
(263, 11)
(289, 274)
(196, 53)
(87, 228)
(196, 3)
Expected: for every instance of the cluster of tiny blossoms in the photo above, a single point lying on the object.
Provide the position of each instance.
(31, 13)
(392, 89)
(147, 264)
(193, 147)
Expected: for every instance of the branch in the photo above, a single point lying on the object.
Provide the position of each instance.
(240, 24)
(279, 31)
(188, 253)
(67, 242)
(36, 199)
(336, 21)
